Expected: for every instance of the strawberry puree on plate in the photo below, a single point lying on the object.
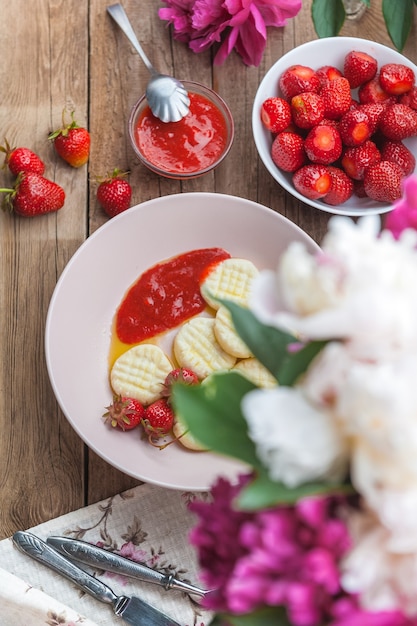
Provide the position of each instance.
(165, 295)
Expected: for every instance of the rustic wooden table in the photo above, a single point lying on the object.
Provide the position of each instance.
(61, 53)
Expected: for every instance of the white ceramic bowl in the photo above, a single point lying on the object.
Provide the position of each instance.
(327, 51)
(84, 302)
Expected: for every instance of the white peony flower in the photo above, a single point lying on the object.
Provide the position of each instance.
(295, 442)
(360, 288)
(384, 579)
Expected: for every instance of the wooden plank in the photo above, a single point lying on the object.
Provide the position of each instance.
(44, 67)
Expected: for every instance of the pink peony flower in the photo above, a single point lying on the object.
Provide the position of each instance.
(404, 212)
(239, 24)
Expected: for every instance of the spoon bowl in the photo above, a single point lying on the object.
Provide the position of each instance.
(167, 97)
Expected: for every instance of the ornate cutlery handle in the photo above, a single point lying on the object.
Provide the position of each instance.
(40, 551)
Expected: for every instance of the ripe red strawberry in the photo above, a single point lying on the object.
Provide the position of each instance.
(357, 159)
(296, 79)
(21, 160)
(159, 419)
(398, 122)
(323, 144)
(288, 152)
(276, 114)
(124, 413)
(114, 193)
(307, 109)
(72, 142)
(359, 67)
(33, 195)
(409, 98)
(354, 127)
(336, 97)
(397, 152)
(179, 375)
(341, 186)
(373, 92)
(327, 72)
(396, 78)
(373, 110)
(383, 181)
(312, 181)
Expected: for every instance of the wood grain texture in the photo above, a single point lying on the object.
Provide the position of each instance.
(66, 53)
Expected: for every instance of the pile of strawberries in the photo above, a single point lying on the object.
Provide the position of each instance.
(335, 145)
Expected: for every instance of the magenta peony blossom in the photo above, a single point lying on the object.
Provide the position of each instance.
(239, 24)
(286, 556)
(404, 212)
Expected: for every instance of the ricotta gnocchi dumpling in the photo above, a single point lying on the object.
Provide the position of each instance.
(253, 370)
(140, 373)
(229, 280)
(186, 438)
(227, 336)
(196, 348)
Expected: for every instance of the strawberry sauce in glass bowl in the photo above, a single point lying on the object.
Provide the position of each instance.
(189, 148)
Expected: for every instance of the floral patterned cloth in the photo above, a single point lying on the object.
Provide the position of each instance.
(148, 524)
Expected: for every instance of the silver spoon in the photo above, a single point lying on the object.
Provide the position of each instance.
(166, 96)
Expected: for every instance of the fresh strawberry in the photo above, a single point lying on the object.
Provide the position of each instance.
(354, 127)
(359, 67)
(373, 92)
(114, 193)
(397, 152)
(124, 413)
(296, 79)
(373, 110)
(307, 109)
(158, 419)
(359, 189)
(336, 97)
(72, 142)
(323, 144)
(33, 195)
(327, 72)
(341, 186)
(396, 78)
(21, 160)
(409, 98)
(276, 114)
(179, 375)
(398, 122)
(383, 181)
(357, 159)
(288, 152)
(312, 181)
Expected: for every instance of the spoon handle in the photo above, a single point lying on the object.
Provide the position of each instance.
(118, 13)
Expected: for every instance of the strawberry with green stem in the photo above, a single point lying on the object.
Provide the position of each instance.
(72, 142)
(33, 195)
(124, 413)
(21, 160)
(114, 193)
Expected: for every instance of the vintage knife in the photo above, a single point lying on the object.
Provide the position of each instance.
(133, 610)
(89, 554)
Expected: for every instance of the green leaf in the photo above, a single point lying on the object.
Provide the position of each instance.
(268, 616)
(262, 492)
(398, 18)
(213, 415)
(328, 17)
(268, 344)
(298, 362)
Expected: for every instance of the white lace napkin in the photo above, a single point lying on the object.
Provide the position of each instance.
(148, 523)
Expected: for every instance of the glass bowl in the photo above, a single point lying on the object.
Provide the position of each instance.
(189, 148)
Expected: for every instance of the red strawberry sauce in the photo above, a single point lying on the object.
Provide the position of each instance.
(165, 295)
(190, 145)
